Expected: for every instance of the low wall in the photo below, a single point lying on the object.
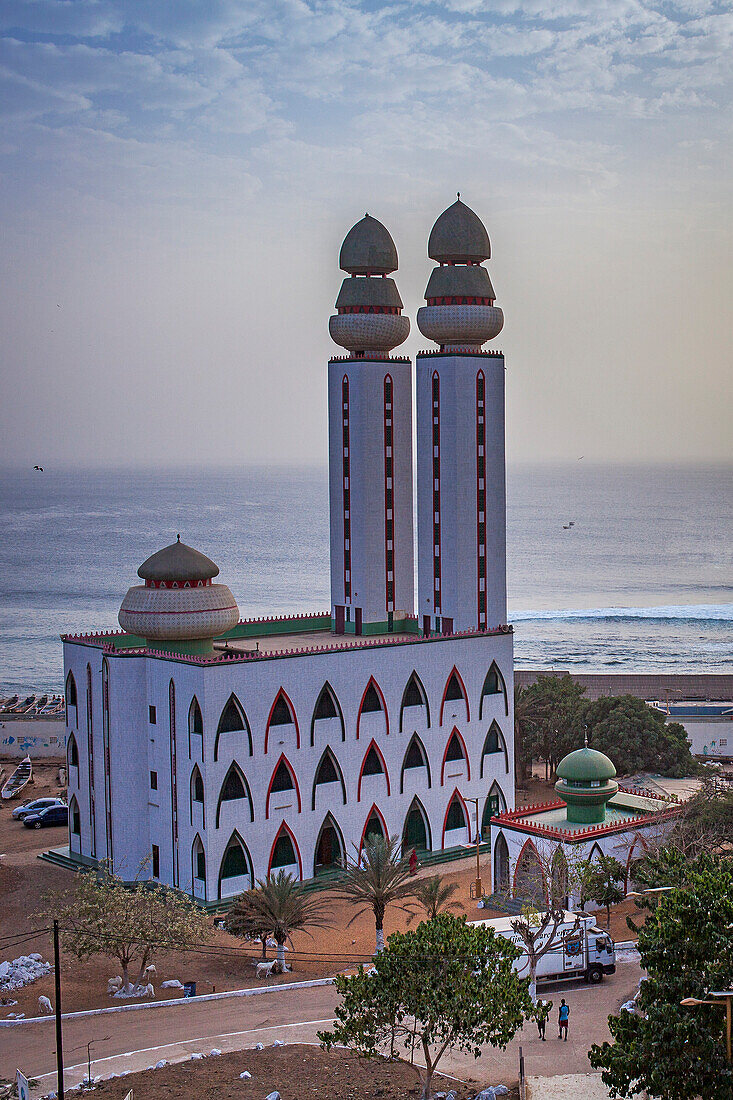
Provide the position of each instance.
(34, 737)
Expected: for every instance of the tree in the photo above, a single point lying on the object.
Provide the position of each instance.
(278, 906)
(376, 879)
(553, 709)
(638, 737)
(604, 883)
(433, 895)
(447, 984)
(525, 718)
(674, 1051)
(128, 922)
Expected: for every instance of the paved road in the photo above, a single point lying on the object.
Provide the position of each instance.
(137, 1040)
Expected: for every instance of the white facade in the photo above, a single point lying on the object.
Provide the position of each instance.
(370, 484)
(121, 791)
(709, 727)
(461, 493)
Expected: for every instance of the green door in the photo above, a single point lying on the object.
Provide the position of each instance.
(415, 835)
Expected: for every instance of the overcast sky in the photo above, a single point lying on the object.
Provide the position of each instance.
(176, 178)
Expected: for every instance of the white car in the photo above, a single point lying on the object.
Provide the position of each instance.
(36, 806)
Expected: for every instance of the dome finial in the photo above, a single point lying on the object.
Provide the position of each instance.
(586, 736)
(178, 537)
(458, 194)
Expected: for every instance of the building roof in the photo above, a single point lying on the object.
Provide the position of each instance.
(368, 292)
(459, 236)
(368, 249)
(462, 281)
(585, 764)
(178, 562)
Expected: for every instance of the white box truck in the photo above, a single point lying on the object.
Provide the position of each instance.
(580, 949)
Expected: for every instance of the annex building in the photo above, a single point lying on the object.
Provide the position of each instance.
(222, 749)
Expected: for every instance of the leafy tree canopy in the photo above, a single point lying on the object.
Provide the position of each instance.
(677, 1052)
(637, 737)
(447, 984)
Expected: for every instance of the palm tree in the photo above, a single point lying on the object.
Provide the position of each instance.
(433, 894)
(527, 713)
(377, 878)
(280, 906)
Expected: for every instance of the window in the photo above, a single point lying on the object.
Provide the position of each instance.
(372, 764)
(455, 818)
(156, 861)
(723, 741)
(282, 780)
(325, 707)
(200, 864)
(453, 690)
(231, 718)
(153, 781)
(73, 752)
(151, 715)
(281, 715)
(414, 758)
(412, 698)
(195, 719)
(371, 700)
(283, 854)
(75, 819)
(235, 862)
(455, 751)
(198, 787)
(327, 772)
(233, 787)
(70, 690)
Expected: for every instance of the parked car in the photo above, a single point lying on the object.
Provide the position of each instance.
(36, 806)
(52, 815)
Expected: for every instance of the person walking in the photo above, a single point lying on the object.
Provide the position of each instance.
(563, 1016)
(542, 1012)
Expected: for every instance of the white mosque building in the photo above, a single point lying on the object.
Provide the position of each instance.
(221, 749)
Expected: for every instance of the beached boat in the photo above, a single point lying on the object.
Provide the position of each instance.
(18, 780)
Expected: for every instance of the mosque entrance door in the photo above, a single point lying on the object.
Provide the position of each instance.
(415, 834)
(328, 850)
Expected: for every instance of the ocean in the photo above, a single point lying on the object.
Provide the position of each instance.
(642, 581)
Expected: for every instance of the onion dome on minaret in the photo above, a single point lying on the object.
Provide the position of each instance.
(586, 783)
(178, 604)
(368, 319)
(460, 312)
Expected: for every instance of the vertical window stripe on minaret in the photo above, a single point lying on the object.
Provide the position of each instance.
(346, 488)
(90, 762)
(174, 777)
(436, 495)
(107, 768)
(481, 497)
(389, 525)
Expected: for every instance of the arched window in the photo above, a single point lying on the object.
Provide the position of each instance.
(327, 707)
(454, 693)
(233, 789)
(372, 704)
(414, 695)
(70, 690)
(232, 720)
(455, 749)
(74, 818)
(415, 757)
(198, 867)
(283, 780)
(196, 792)
(494, 743)
(328, 771)
(495, 804)
(72, 752)
(501, 866)
(493, 685)
(529, 878)
(456, 817)
(416, 831)
(282, 713)
(372, 764)
(197, 786)
(235, 871)
(330, 851)
(285, 852)
(373, 826)
(195, 725)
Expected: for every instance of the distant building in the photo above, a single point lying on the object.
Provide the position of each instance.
(227, 749)
(709, 726)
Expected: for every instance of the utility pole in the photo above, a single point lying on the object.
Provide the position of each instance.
(478, 889)
(59, 1041)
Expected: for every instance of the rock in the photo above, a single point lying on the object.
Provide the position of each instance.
(213, 1053)
(452, 1095)
(172, 983)
(195, 1057)
(259, 1046)
(161, 1063)
(278, 1043)
(273, 1096)
(245, 1076)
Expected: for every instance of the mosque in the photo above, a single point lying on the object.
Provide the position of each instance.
(222, 749)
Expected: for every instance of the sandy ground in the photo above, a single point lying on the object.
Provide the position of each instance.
(567, 1086)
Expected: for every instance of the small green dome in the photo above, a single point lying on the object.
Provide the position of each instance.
(585, 764)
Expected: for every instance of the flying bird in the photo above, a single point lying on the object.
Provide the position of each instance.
(39, 468)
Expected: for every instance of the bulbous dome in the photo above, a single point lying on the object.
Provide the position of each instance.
(368, 249)
(585, 764)
(459, 236)
(178, 562)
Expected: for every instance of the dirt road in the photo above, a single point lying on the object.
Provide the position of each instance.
(138, 1039)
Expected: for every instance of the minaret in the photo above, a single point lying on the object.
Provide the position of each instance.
(370, 441)
(461, 499)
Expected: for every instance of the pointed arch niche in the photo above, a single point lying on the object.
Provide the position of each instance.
(235, 870)
(415, 771)
(494, 750)
(454, 706)
(196, 799)
(282, 723)
(235, 803)
(74, 825)
(195, 731)
(375, 825)
(232, 721)
(373, 773)
(529, 878)
(198, 868)
(414, 708)
(71, 701)
(285, 854)
(72, 757)
(330, 853)
(501, 880)
(416, 830)
(455, 758)
(328, 781)
(372, 719)
(283, 789)
(456, 823)
(327, 722)
(495, 804)
(494, 688)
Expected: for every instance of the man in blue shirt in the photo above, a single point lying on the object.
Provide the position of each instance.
(563, 1016)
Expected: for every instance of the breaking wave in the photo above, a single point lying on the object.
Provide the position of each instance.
(698, 613)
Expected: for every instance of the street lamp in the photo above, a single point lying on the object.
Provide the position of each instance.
(478, 889)
(724, 998)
